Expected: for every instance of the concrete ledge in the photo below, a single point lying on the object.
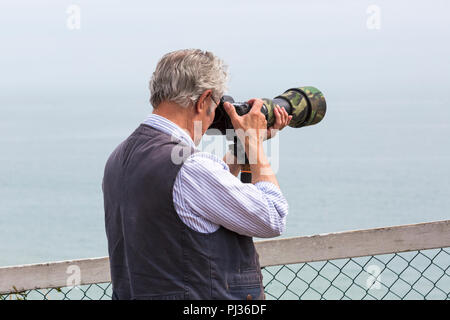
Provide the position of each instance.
(321, 247)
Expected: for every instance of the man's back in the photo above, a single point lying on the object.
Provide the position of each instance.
(153, 254)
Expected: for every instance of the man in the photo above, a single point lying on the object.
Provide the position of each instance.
(183, 229)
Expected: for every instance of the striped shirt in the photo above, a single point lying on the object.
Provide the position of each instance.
(206, 195)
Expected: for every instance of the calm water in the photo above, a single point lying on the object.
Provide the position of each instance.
(366, 165)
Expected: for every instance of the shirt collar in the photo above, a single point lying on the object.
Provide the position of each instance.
(165, 125)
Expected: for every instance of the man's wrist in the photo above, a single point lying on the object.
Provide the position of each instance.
(255, 153)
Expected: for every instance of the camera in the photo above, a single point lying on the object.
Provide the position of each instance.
(306, 105)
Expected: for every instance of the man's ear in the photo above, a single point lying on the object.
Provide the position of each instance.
(202, 101)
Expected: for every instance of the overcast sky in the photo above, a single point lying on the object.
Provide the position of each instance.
(268, 45)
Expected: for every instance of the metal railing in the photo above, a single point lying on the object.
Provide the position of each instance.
(401, 262)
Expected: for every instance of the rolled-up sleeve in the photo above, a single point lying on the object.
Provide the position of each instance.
(211, 192)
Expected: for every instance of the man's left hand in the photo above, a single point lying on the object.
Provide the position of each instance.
(282, 119)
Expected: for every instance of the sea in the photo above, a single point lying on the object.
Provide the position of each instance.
(364, 166)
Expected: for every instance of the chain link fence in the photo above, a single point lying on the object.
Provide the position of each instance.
(414, 275)
(423, 274)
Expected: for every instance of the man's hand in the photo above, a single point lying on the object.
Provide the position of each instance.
(251, 129)
(282, 119)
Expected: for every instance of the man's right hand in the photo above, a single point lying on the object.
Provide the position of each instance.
(251, 129)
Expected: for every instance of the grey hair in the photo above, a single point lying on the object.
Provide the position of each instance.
(182, 76)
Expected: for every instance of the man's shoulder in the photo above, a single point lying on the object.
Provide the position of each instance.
(205, 161)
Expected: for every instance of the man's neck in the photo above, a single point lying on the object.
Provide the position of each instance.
(177, 114)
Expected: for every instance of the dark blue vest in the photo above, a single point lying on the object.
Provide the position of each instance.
(153, 254)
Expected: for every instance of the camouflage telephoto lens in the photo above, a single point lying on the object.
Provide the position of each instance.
(306, 105)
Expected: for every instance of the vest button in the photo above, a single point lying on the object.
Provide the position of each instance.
(249, 297)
